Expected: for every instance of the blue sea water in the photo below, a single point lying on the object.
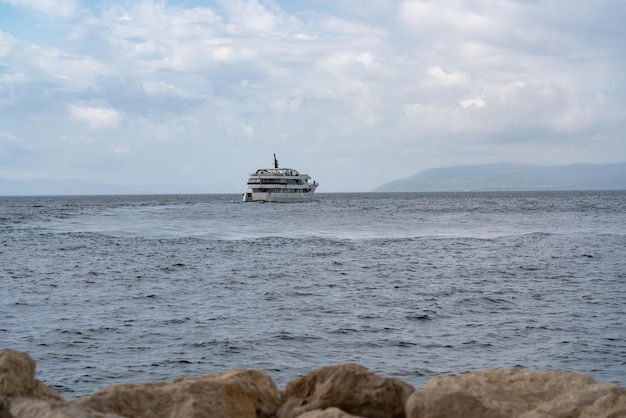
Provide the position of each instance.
(102, 290)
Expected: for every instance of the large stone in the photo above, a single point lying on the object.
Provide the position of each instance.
(599, 400)
(349, 387)
(41, 408)
(5, 406)
(513, 392)
(17, 377)
(612, 405)
(327, 413)
(237, 394)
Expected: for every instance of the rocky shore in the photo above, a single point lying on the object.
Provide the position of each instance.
(340, 391)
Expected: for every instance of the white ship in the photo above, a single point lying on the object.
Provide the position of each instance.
(279, 185)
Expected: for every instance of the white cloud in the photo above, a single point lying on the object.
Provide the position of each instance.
(176, 80)
(452, 17)
(61, 8)
(76, 69)
(341, 61)
(121, 149)
(418, 14)
(165, 89)
(291, 103)
(438, 120)
(237, 128)
(447, 79)
(7, 137)
(250, 15)
(477, 102)
(342, 26)
(95, 118)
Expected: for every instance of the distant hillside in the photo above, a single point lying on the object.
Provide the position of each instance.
(509, 176)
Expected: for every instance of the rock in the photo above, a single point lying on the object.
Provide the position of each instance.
(342, 391)
(612, 405)
(600, 400)
(5, 406)
(349, 387)
(240, 394)
(17, 377)
(517, 393)
(447, 404)
(327, 413)
(40, 408)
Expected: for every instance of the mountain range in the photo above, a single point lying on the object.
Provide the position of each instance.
(509, 177)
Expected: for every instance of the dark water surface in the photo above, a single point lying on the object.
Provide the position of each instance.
(103, 290)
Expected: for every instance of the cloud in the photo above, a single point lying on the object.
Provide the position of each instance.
(440, 120)
(447, 79)
(96, 118)
(477, 102)
(347, 61)
(59, 8)
(331, 82)
(237, 128)
(251, 16)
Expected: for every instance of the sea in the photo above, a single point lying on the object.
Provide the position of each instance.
(103, 290)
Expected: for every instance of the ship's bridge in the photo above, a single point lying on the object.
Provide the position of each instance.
(275, 172)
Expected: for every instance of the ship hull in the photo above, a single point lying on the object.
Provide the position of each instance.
(278, 197)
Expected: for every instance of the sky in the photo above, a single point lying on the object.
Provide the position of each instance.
(355, 93)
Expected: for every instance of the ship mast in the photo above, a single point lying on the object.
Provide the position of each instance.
(275, 162)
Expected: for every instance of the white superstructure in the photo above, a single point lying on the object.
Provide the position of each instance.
(279, 185)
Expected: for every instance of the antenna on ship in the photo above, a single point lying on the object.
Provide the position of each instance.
(275, 162)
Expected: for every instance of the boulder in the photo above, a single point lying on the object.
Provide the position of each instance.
(612, 405)
(518, 393)
(600, 400)
(42, 408)
(341, 391)
(17, 377)
(240, 393)
(327, 413)
(349, 387)
(5, 406)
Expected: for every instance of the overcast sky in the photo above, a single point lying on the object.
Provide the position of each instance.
(354, 92)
